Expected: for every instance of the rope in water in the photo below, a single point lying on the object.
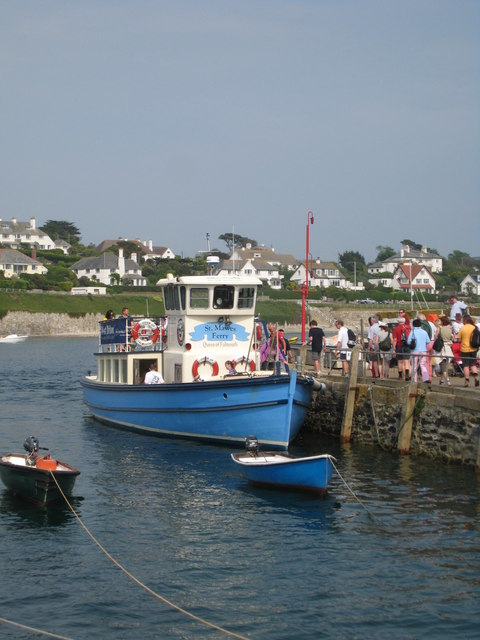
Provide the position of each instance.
(34, 629)
(139, 582)
(351, 490)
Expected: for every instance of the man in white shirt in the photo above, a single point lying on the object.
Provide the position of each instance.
(342, 346)
(152, 376)
(457, 307)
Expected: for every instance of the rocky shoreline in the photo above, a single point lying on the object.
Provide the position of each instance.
(61, 324)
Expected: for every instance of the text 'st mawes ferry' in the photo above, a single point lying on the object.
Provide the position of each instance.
(210, 320)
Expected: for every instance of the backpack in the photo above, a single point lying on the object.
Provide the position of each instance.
(475, 338)
(426, 325)
(352, 338)
(385, 344)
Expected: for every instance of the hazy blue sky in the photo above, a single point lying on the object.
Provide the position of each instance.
(168, 120)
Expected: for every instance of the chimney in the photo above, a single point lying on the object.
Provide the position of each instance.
(133, 257)
(14, 220)
(121, 263)
(32, 223)
(150, 245)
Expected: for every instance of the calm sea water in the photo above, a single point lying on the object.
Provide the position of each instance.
(261, 563)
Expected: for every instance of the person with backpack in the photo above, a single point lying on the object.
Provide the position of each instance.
(342, 346)
(469, 336)
(384, 347)
(419, 341)
(400, 348)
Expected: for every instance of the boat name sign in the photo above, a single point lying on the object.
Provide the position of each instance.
(219, 331)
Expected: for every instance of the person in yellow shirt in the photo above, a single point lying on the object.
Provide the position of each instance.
(468, 355)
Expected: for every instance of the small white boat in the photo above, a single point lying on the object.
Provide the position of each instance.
(13, 338)
(280, 469)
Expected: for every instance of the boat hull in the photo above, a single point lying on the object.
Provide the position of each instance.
(33, 484)
(223, 411)
(311, 474)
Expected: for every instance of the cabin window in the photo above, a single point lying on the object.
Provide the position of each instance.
(246, 297)
(108, 370)
(183, 298)
(223, 297)
(199, 298)
(123, 371)
(171, 299)
(115, 370)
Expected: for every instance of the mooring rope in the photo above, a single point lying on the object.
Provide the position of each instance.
(48, 634)
(142, 584)
(351, 490)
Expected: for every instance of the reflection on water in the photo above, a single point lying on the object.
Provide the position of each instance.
(258, 561)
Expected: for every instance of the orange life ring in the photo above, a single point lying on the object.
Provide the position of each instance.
(204, 360)
(242, 360)
(145, 333)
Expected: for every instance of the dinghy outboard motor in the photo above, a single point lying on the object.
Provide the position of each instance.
(31, 445)
(251, 444)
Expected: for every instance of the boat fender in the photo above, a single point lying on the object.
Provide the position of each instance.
(213, 363)
(145, 333)
(242, 360)
(318, 386)
(259, 332)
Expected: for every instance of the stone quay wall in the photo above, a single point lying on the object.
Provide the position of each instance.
(49, 324)
(442, 423)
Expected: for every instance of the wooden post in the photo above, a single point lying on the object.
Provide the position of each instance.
(405, 435)
(349, 407)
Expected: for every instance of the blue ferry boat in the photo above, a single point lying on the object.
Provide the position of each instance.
(207, 351)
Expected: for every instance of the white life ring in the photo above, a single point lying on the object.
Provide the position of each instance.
(243, 360)
(145, 333)
(213, 363)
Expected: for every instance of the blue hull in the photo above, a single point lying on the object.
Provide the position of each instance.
(224, 411)
(285, 471)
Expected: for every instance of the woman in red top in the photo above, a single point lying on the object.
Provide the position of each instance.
(401, 332)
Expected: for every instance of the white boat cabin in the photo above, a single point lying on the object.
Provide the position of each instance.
(209, 322)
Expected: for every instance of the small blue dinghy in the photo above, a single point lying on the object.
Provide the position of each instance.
(281, 469)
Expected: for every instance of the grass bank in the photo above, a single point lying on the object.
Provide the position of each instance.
(138, 304)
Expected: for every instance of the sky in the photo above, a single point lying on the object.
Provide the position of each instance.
(171, 120)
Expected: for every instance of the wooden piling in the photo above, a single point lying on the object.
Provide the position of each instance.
(346, 431)
(405, 435)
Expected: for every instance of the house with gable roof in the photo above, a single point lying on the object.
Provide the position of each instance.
(104, 268)
(264, 253)
(408, 255)
(322, 274)
(267, 273)
(470, 285)
(414, 277)
(13, 262)
(146, 249)
(13, 233)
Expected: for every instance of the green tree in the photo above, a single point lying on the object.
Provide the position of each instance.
(383, 253)
(351, 260)
(62, 230)
(240, 241)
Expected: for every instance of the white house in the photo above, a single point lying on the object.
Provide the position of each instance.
(323, 274)
(408, 255)
(264, 253)
(13, 262)
(470, 285)
(145, 249)
(103, 269)
(13, 233)
(415, 277)
(268, 274)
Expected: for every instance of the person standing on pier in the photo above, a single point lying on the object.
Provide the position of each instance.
(457, 307)
(419, 352)
(468, 353)
(316, 337)
(400, 348)
(342, 346)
